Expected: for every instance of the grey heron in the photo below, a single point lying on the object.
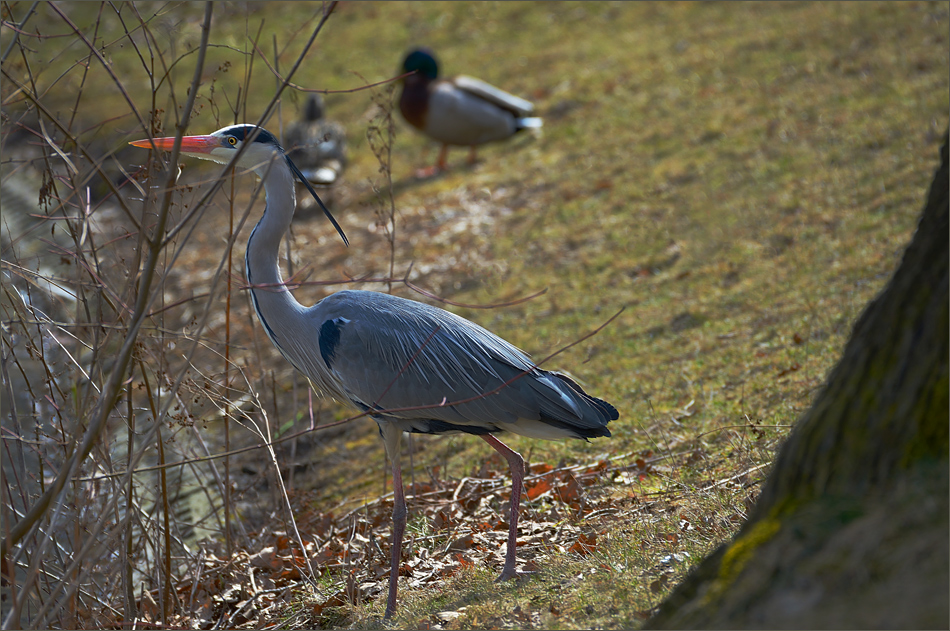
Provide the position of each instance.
(411, 366)
(462, 111)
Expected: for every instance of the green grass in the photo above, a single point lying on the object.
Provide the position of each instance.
(739, 180)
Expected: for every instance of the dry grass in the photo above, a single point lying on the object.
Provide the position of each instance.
(741, 181)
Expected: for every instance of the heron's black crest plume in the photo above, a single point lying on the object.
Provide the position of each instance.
(299, 176)
(255, 134)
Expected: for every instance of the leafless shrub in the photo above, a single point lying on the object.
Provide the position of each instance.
(111, 368)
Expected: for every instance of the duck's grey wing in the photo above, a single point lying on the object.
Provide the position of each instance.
(505, 100)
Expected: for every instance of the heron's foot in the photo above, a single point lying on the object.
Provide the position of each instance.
(514, 573)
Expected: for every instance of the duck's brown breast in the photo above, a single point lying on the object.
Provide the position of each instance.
(414, 101)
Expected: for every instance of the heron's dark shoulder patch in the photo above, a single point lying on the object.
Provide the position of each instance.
(330, 338)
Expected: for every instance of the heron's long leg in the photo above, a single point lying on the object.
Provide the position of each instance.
(391, 438)
(516, 464)
(399, 527)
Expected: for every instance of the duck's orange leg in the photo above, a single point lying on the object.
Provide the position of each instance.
(440, 165)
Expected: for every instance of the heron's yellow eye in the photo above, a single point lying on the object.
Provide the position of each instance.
(232, 140)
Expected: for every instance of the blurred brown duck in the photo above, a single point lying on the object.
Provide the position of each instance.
(461, 111)
(317, 145)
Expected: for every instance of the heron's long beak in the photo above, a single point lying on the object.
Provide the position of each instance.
(189, 144)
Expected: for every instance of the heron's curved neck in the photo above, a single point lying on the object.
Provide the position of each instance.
(273, 301)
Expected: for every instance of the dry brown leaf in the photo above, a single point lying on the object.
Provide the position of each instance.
(569, 491)
(462, 543)
(336, 600)
(540, 468)
(658, 585)
(267, 559)
(535, 490)
(292, 573)
(442, 520)
(585, 544)
(790, 369)
(323, 556)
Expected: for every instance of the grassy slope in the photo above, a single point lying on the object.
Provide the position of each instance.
(741, 180)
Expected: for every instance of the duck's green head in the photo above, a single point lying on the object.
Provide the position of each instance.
(422, 61)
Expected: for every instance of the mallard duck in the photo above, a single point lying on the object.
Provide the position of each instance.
(317, 145)
(461, 111)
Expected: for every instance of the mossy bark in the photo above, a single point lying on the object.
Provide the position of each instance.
(851, 529)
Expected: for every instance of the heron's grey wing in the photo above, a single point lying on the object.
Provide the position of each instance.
(394, 356)
(517, 105)
(412, 361)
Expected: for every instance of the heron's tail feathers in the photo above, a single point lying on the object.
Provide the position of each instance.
(570, 408)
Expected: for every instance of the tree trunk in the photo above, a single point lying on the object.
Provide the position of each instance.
(851, 529)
